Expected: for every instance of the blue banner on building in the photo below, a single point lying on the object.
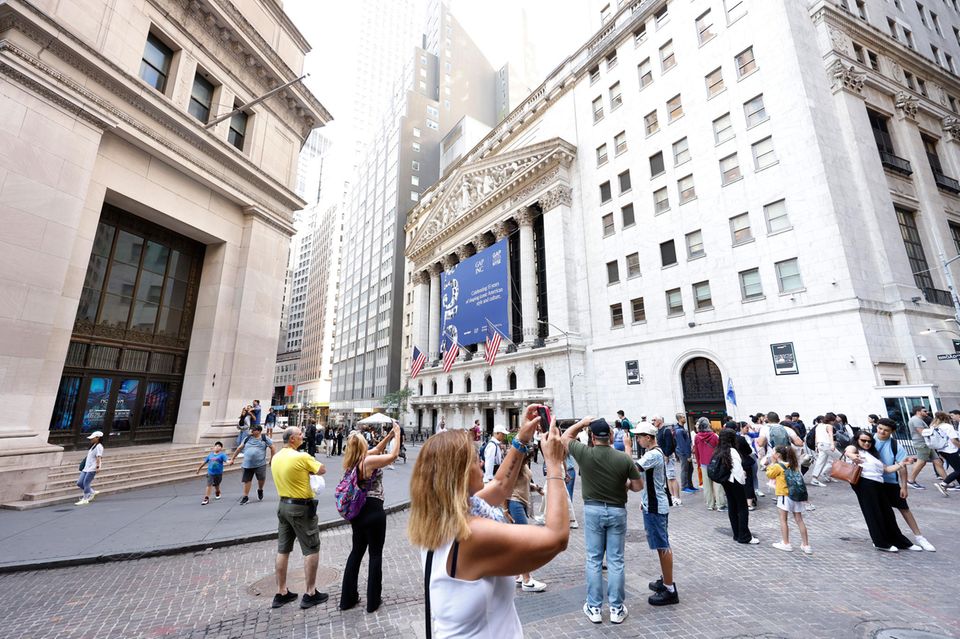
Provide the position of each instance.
(474, 291)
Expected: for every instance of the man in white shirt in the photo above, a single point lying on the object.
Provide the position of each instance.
(826, 450)
(493, 452)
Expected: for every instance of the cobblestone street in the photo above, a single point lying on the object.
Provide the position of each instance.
(727, 590)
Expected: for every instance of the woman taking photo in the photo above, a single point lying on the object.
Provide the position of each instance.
(370, 524)
(735, 488)
(470, 558)
(704, 445)
(876, 509)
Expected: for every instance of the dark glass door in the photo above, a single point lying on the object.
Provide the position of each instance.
(123, 409)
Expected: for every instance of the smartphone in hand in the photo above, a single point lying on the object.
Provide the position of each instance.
(544, 413)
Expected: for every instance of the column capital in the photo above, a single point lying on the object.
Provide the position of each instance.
(435, 269)
(501, 230)
(951, 126)
(847, 78)
(560, 195)
(421, 277)
(907, 105)
(525, 216)
(481, 241)
(464, 251)
(448, 261)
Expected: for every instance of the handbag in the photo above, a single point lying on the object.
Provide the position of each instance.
(846, 471)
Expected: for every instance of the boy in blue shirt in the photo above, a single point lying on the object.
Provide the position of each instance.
(214, 463)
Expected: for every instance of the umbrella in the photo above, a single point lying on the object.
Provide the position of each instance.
(376, 418)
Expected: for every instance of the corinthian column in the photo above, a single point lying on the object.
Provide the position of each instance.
(434, 335)
(528, 279)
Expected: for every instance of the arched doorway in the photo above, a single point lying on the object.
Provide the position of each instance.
(703, 391)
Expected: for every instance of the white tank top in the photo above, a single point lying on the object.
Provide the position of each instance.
(483, 609)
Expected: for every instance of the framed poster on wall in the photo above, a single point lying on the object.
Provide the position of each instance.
(784, 359)
(633, 371)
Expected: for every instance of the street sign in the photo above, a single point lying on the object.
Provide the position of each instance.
(946, 356)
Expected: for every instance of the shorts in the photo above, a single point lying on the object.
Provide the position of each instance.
(656, 526)
(298, 522)
(214, 480)
(924, 452)
(259, 471)
(671, 469)
(788, 505)
(892, 493)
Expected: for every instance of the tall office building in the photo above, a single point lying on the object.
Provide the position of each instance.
(446, 85)
(710, 196)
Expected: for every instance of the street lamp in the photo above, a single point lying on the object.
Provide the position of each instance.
(569, 367)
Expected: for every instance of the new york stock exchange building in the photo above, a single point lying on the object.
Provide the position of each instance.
(663, 225)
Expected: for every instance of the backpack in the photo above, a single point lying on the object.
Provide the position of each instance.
(796, 489)
(349, 495)
(811, 439)
(667, 442)
(716, 470)
(483, 455)
(935, 438)
(779, 436)
(618, 438)
(840, 436)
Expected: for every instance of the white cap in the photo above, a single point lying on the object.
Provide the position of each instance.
(95, 434)
(500, 428)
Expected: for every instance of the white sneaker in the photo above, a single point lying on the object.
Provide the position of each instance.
(82, 502)
(592, 613)
(926, 545)
(807, 550)
(760, 493)
(574, 524)
(519, 581)
(916, 548)
(92, 495)
(942, 488)
(779, 545)
(677, 502)
(617, 615)
(890, 549)
(533, 586)
(754, 541)
(814, 482)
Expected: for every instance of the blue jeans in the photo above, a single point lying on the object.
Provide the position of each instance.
(518, 512)
(84, 481)
(573, 480)
(605, 530)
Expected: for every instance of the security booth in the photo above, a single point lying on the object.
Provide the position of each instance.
(899, 403)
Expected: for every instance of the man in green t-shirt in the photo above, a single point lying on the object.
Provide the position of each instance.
(606, 474)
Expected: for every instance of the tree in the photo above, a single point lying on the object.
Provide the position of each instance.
(396, 402)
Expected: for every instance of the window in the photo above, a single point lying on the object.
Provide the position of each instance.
(415, 165)
(598, 109)
(611, 59)
(155, 63)
(736, 9)
(626, 214)
(414, 196)
(930, 147)
(775, 214)
(950, 63)
(605, 193)
(650, 123)
(434, 126)
(746, 63)
(714, 82)
(615, 98)
(681, 151)
(601, 155)
(605, 13)
(433, 111)
(935, 20)
(674, 302)
(914, 247)
(639, 313)
(862, 9)
(667, 59)
(729, 169)
(608, 227)
(687, 192)
(656, 164)
(935, 52)
(701, 296)
(954, 233)
(616, 316)
(661, 201)
(722, 128)
(238, 128)
(633, 260)
(695, 245)
(620, 142)
(594, 74)
(754, 111)
(908, 36)
(416, 147)
(668, 253)
(674, 108)
(705, 27)
(874, 60)
(640, 35)
(923, 15)
(750, 286)
(661, 15)
(892, 27)
(613, 272)
(201, 98)
(740, 231)
(646, 75)
(788, 276)
(764, 154)
(859, 54)
(624, 179)
(414, 180)
(416, 132)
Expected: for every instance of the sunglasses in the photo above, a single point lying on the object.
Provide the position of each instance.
(866, 441)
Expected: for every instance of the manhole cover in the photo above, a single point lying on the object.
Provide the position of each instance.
(267, 585)
(907, 633)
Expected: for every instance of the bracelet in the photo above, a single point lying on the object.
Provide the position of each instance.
(560, 478)
(522, 448)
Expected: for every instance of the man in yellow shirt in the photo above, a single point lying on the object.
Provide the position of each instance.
(297, 515)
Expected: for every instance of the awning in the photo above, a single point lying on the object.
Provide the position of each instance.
(360, 411)
(318, 405)
(293, 406)
(279, 407)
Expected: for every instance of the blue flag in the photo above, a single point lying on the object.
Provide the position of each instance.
(731, 395)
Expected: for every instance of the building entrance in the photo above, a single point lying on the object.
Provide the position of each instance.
(703, 391)
(124, 368)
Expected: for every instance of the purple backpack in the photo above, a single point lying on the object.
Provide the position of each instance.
(349, 495)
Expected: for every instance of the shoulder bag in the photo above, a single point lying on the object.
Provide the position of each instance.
(846, 471)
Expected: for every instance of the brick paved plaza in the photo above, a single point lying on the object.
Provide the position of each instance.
(846, 589)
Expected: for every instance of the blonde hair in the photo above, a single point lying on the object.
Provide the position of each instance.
(355, 451)
(941, 417)
(439, 490)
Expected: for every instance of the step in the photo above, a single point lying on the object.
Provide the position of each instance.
(114, 454)
(114, 465)
(188, 468)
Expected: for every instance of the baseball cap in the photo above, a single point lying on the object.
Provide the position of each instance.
(600, 427)
(500, 428)
(95, 434)
(645, 429)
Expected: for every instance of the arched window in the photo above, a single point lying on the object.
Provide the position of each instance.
(449, 387)
(434, 387)
(420, 388)
(467, 385)
(541, 378)
(512, 381)
(489, 383)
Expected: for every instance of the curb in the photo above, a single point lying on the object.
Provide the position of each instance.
(173, 550)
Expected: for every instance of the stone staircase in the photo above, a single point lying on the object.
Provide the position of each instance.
(122, 469)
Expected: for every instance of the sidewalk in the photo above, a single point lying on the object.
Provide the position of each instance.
(164, 520)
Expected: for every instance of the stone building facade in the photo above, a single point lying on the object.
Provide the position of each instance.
(145, 244)
(714, 194)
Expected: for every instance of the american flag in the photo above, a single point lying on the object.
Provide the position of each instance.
(419, 360)
(450, 355)
(492, 344)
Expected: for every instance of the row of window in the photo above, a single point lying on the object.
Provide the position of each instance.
(541, 378)
(751, 288)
